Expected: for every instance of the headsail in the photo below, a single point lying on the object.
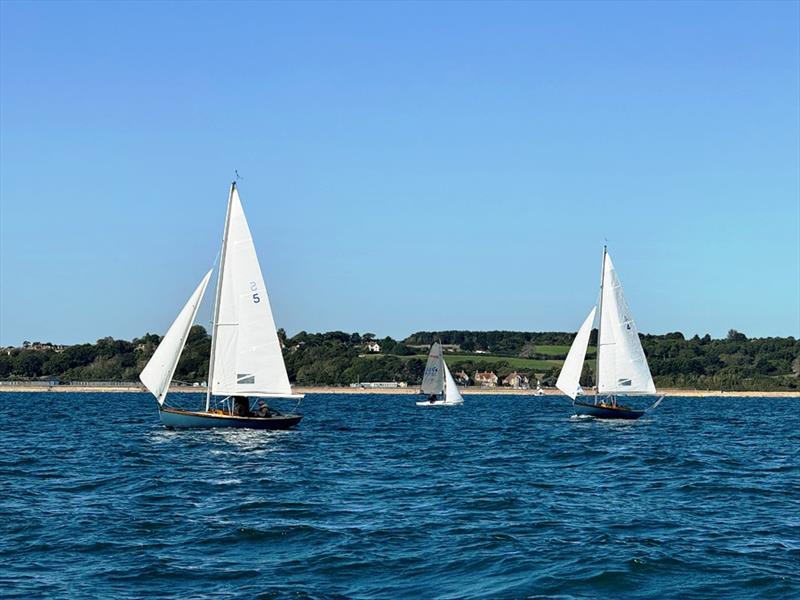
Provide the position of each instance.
(157, 374)
(569, 378)
(247, 357)
(433, 378)
(622, 365)
(451, 393)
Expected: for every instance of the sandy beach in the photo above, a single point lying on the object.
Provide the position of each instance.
(410, 391)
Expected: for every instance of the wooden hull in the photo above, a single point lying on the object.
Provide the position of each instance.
(174, 418)
(606, 412)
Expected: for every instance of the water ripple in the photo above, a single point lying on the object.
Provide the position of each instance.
(503, 497)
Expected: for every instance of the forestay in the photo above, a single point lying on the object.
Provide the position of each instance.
(433, 378)
(569, 378)
(247, 354)
(157, 374)
(622, 365)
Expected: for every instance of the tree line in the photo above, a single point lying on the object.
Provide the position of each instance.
(339, 358)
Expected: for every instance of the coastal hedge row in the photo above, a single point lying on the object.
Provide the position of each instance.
(338, 358)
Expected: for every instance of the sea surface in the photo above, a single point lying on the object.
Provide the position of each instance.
(374, 497)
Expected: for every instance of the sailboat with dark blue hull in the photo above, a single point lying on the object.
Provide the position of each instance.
(621, 368)
(246, 361)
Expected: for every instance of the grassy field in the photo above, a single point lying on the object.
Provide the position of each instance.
(525, 364)
(559, 350)
(515, 362)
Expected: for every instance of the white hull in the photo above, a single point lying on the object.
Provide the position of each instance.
(439, 403)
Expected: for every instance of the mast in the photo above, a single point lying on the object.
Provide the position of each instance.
(599, 323)
(217, 296)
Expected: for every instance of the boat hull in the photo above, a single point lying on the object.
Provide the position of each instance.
(606, 412)
(173, 418)
(439, 403)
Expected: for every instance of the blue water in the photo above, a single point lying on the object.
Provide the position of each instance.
(373, 497)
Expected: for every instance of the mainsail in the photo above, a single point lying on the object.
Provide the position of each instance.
(433, 378)
(569, 378)
(157, 374)
(621, 363)
(451, 393)
(246, 354)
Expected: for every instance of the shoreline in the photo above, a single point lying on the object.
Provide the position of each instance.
(408, 391)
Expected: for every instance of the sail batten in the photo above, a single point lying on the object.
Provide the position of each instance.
(569, 377)
(157, 374)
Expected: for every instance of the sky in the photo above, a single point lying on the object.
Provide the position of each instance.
(405, 166)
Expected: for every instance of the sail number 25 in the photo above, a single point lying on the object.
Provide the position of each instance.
(254, 289)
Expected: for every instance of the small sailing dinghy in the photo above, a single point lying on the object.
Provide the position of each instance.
(437, 382)
(246, 359)
(621, 364)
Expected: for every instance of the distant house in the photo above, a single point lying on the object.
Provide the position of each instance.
(485, 379)
(481, 352)
(40, 347)
(379, 384)
(427, 347)
(373, 346)
(517, 380)
(461, 378)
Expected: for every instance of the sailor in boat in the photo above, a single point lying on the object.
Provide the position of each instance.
(241, 406)
(432, 398)
(263, 409)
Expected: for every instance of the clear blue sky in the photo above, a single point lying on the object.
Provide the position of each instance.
(406, 166)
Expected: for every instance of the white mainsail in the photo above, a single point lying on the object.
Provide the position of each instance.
(247, 358)
(569, 378)
(622, 365)
(451, 393)
(157, 374)
(433, 378)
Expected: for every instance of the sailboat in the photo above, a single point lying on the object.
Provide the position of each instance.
(246, 359)
(621, 364)
(437, 381)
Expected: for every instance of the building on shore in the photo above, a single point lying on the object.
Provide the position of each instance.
(427, 347)
(518, 381)
(485, 379)
(461, 378)
(371, 385)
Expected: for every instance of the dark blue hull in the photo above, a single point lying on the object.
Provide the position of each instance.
(175, 418)
(606, 412)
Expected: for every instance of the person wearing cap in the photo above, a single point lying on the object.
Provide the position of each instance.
(263, 409)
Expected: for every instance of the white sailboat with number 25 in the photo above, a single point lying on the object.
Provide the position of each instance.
(246, 359)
